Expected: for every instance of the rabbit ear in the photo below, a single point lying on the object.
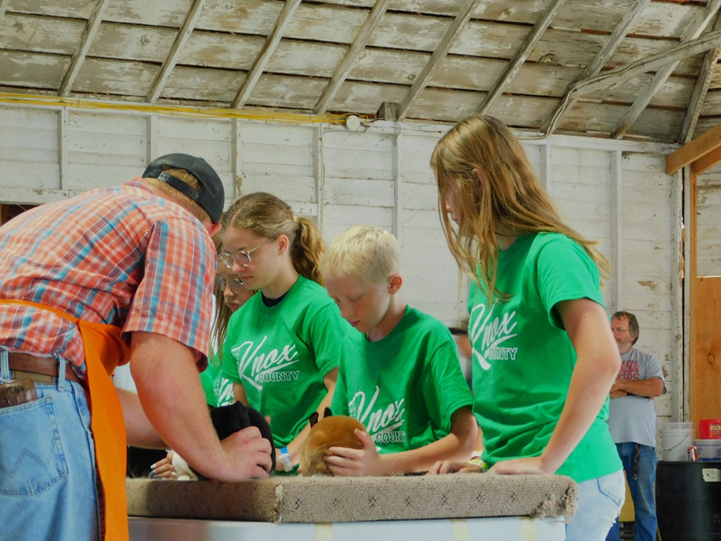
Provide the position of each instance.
(327, 413)
(313, 419)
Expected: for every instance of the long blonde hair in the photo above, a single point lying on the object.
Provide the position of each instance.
(508, 201)
(269, 217)
(222, 310)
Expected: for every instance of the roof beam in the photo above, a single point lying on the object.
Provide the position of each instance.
(693, 31)
(343, 69)
(698, 96)
(515, 64)
(3, 7)
(96, 17)
(439, 54)
(180, 40)
(707, 162)
(639, 67)
(690, 152)
(614, 40)
(271, 43)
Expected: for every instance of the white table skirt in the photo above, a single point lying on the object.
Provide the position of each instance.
(476, 529)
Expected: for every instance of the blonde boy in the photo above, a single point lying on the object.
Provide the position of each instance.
(399, 374)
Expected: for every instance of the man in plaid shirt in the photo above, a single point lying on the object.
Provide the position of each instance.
(135, 263)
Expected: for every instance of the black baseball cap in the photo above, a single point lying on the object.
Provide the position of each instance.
(211, 197)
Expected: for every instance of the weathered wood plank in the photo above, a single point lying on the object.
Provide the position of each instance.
(660, 19)
(287, 187)
(81, 51)
(32, 70)
(439, 54)
(355, 49)
(175, 51)
(271, 43)
(353, 191)
(40, 34)
(691, 32)
(521, 55)
(115, 77)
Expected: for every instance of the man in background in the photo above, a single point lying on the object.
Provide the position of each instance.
(632, 421)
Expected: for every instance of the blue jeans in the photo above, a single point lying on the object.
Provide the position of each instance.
(47, 464)
(599, 503)
(644, 528)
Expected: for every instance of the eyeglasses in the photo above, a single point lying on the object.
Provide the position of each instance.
(235, 284)
(242, 257)
(616, 329)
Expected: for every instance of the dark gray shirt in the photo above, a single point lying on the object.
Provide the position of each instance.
(633, 418)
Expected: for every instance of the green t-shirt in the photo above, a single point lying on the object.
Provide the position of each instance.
(218, 389)
(405, 387)
(281, 353)
(523, 358)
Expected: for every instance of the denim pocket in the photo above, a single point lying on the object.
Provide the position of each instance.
(614, 487)
(31, 453)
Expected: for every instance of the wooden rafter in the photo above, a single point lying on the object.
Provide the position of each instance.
(96, 17)
(515, 64)
(359, 43)
(693, 112)
(690, 152)
(707, 162)
(180, 40)
(639, 67)
(271, 43)
(3, 7)
(439, 54)
(594, 67)
(692, 32)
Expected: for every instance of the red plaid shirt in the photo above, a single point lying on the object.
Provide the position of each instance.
(121, 256)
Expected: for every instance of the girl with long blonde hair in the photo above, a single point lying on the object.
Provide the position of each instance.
(281, 348)
(544, 358)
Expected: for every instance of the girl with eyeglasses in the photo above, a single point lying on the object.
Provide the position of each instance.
(544, 358)
(230, 294)
(281, 348)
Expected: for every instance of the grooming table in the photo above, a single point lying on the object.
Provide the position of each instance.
(417, 508)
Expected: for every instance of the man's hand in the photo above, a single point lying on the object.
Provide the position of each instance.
(616, 392)
(248, 455)
(347, 462)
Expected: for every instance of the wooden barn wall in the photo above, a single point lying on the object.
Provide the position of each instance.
(708, 225)
(611, 191)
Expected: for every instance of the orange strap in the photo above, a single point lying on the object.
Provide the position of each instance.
(104, 350)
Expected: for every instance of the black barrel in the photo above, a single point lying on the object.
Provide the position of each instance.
(688, 501)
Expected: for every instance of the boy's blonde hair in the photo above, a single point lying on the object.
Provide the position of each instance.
(368, 252)
(509, 201)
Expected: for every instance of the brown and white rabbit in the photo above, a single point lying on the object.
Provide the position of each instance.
(331, 431)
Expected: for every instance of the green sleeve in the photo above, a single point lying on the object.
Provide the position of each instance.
(229, 366)
(327, 331)
(444, 388)
(565, 272)
(208, 377)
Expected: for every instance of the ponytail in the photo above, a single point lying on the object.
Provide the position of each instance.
(307, 250)
(269, 217)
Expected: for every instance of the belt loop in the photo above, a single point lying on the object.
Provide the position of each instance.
(62, 363)
(4, 366)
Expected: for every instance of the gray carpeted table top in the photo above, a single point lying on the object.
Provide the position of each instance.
(330, 499)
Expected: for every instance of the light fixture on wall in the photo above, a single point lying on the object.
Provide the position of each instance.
(353, 123)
